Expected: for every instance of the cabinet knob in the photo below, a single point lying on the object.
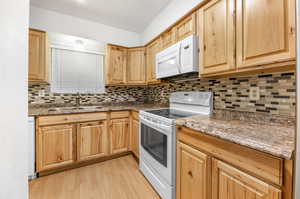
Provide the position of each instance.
(190, 174)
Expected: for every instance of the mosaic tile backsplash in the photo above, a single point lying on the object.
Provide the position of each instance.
(40, 94)
(277, 93)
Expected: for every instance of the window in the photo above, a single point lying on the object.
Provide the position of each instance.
(77, 71)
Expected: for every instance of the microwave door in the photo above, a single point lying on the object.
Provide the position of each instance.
(168, 65)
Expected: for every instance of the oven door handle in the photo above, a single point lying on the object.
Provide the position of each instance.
(159, 127)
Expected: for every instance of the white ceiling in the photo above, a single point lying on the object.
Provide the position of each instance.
(131, 15)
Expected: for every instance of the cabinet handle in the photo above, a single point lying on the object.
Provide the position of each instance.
(190, 174)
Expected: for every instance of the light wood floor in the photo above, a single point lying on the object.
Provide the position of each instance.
(113, 179)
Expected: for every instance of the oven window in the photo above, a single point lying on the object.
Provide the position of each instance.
(155, 143)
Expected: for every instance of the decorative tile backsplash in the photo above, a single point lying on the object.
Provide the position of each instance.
(40, 94)
(277, 93)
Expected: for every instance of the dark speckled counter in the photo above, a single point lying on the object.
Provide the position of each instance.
(44, 110)
(272, 138)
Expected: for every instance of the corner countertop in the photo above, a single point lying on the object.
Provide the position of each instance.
(58, 109)
(272, 138)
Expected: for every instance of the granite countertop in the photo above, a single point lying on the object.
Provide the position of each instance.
(275, 136)
(272, 138)
(58, 109)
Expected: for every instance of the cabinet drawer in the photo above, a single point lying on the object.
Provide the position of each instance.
(256, 163)
(64, 119)
(119, 114)
(135, 115)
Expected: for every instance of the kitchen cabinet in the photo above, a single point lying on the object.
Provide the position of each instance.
(186, 27)
(168, 38)
(265, 32)
(230, 182)
(37, 66)
(209, 167)
(135, 134)
(92, 140)
(246, 36)
(116, 61)
(193, 173)
(152, 50)
(72, 140)
(119, 135)
(136, 66)
(216, 36)
(56, 146)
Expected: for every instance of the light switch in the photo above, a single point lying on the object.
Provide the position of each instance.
(41, 93)
(254, 93)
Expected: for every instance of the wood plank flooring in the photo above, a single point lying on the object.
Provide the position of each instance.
(113, 179)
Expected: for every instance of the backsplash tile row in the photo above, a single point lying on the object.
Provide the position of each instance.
(114, 94)
(277, 93)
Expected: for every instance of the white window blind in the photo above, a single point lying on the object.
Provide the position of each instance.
(77, 71)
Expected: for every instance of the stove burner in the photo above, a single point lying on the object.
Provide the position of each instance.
(167, 113)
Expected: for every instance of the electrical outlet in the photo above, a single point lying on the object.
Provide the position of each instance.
(41, 93)
(254, 93)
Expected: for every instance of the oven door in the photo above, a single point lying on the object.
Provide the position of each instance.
(155, 143)
(158, 149)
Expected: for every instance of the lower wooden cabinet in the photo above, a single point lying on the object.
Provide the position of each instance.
(119, 136)
(72, 140)
(229, 182)
(211, 168)
(56, 147)
(135, 137)
(92, 141)
(193, 173)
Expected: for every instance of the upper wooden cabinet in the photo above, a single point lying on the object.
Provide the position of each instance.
(216, 36)
(119, 135)
(116, 60)
(265, 32)
(136, 66)
(38, 66)
(240, 36)
(92, 140)
(186, 27)
(55, 148)
(229, 182)
(168, 38)
(193, 173)
(152, 50)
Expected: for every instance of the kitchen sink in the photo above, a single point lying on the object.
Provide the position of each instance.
(76, 108)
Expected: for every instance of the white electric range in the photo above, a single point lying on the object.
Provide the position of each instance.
(158, 138)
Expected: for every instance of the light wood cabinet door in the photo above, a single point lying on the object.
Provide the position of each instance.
(168, 38)
(265, 32)
(186, 27)
(92, 140)
(119, 135)
(55, 147)
(229, 182)
(116, 60)
(37, 68)
(136, 66)
(193, 173)
(216, 36)
(135, 137)
(152, 50)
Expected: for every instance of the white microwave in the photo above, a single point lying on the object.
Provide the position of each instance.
(180, 58)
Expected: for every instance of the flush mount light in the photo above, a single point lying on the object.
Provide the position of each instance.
(79, 43)
(81, 1)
